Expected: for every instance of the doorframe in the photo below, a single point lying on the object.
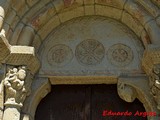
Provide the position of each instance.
(138, 86)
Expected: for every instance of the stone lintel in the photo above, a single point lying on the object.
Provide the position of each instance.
(58, 80)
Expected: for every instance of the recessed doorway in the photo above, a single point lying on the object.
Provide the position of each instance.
(86, 102)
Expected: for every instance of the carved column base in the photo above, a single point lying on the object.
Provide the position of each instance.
(11, 112)
(13, 104)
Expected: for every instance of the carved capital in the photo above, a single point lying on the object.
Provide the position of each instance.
(151, 57)
(17, 84)
(126, 92)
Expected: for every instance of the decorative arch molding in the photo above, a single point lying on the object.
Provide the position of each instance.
(40, 88)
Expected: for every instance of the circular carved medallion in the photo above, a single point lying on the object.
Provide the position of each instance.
(120, 55)
(90, 52)
(59, 55)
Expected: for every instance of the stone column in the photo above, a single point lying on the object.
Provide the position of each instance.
(18, 78)
(151, 66)
(16, 84)
(154, 84)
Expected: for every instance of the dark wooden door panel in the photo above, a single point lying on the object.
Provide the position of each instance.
(68, 103)
(105, 97)
(63, 103)
(85, 102)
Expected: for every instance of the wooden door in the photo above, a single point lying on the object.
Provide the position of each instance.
(105, 98)
(85, 102)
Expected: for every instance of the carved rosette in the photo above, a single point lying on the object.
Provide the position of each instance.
(59, 55)
(120, 55)
(17, 84)
(90, 52)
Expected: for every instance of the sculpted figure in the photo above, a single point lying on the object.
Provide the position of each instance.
(14, 85)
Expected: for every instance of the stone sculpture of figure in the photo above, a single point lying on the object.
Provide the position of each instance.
(155, 84)
(14, 85)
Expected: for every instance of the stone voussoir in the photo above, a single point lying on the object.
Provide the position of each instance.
(4, 48)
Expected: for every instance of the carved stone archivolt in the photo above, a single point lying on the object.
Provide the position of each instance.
(17, 85)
